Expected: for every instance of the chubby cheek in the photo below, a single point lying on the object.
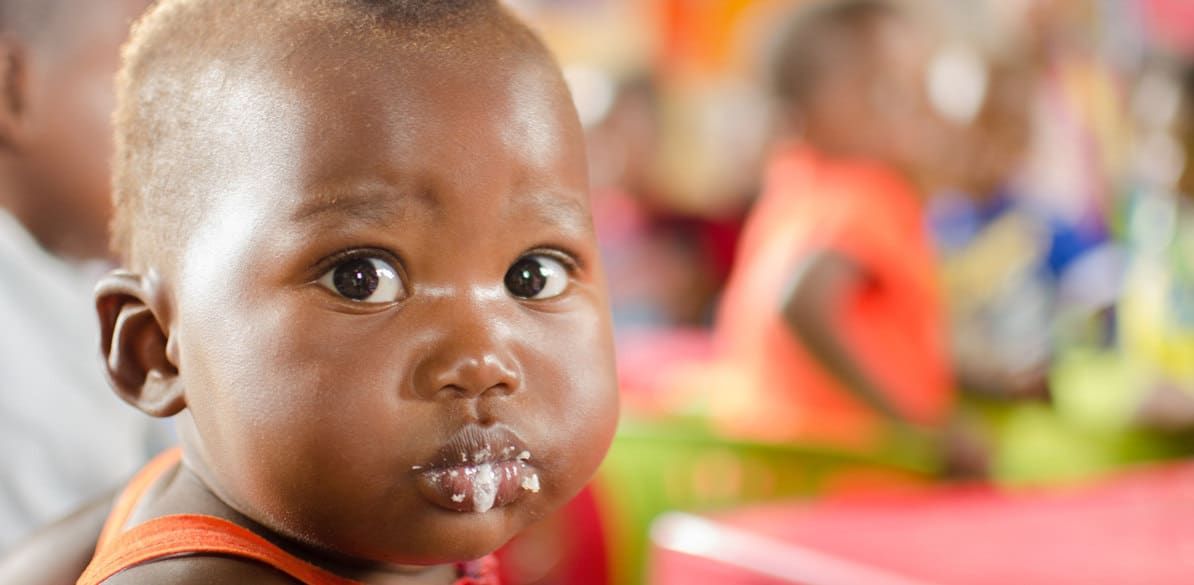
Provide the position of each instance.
(577, 402)
(282, 407)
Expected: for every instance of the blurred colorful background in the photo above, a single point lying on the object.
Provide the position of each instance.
(1059, 221)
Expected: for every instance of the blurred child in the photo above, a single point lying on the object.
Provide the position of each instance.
(663, 260)
(1157, 309)
(1001, 256)
(1009, 263)
(1119, 395)
(831, 322)
(63, 436)
(360, 268)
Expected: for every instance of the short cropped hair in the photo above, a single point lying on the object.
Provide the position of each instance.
(819, 36)
(162, 106)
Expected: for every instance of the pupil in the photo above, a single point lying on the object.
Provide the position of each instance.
(356, 279)
(526, 278)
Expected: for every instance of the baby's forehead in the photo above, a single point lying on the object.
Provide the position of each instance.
(474, 44)
(395, 173)
(425, 103)
(377, 115)
(361, 68)
(205, 106)
(318, 81)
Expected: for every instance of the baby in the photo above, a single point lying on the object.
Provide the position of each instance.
(361, 274)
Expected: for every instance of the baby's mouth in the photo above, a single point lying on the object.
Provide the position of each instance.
(478, 470)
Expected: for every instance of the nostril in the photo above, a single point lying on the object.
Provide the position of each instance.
(474, 392)
(502, 389)
(475, 377)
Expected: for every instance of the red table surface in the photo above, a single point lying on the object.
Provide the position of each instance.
(1137, 528)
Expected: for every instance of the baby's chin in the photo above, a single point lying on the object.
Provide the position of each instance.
(452, 538)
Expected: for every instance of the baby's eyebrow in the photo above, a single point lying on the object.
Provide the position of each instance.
(364, 204)
(380, 205)
(552, 208)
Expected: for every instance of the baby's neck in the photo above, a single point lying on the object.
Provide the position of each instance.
(399, 575)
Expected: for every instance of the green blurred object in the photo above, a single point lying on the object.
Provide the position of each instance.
(679, 464)
(1088, 432)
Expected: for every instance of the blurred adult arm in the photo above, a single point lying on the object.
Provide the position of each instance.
(810, 308)
(58, 553)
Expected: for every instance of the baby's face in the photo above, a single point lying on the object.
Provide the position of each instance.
(391, 323)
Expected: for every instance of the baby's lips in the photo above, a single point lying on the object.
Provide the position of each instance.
(478, 468)
(480, 487)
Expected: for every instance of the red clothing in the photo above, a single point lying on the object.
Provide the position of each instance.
(895, 329)
(193, 534)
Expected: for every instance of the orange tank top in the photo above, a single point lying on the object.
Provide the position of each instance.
(895, 329)
(194, 534)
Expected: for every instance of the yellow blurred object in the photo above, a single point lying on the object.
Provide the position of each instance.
(1157, 306)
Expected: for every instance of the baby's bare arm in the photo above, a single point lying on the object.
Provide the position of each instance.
(58, 553)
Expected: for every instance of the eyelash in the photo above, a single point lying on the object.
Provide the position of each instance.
(570, 261)
(341, 256)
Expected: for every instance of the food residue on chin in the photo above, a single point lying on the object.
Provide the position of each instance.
(530, 483)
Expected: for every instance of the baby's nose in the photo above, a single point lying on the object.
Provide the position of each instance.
(472, 350)
(472, 374)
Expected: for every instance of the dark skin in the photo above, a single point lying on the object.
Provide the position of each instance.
(870, 102)
(823, 281)
(55, 129)
(308, 416)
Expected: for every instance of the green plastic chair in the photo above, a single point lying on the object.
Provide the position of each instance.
(679, 464)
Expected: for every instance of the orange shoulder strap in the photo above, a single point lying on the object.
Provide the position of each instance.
(195, 534)
(117, 550)
(137, 486)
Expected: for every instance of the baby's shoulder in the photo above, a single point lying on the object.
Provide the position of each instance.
(200, 570)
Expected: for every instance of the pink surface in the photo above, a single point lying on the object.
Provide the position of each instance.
(1138, 528)
(1172, 23)
(644, 356)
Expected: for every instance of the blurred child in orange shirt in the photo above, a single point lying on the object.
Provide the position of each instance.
(832, 326)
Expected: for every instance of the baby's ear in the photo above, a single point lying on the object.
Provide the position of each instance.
(136, 346)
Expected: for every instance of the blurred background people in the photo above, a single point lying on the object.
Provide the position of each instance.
(996, 250)
(1029, 209)
(668, 263)
(64, 436)
(832, 316)
(1157, 308)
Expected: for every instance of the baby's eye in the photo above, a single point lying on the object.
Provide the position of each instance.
(364, 280)
(537, 277)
